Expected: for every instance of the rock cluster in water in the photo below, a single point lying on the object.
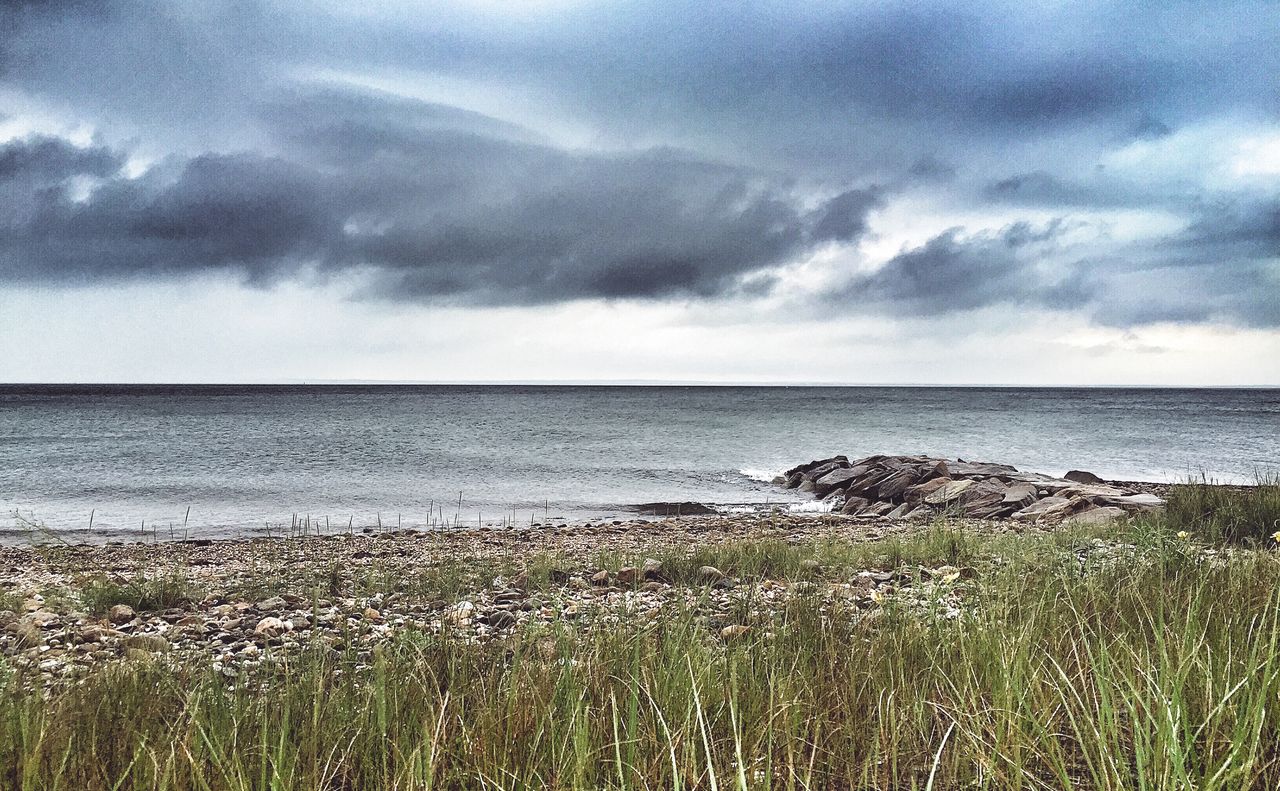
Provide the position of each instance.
(923, 486)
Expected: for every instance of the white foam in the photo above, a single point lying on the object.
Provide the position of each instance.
(755, 474)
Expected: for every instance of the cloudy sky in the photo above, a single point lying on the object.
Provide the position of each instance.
(1024, 192)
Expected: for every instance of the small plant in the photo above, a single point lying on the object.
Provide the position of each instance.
(142, 593)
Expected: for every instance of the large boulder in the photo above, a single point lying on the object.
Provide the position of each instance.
(836, 479)
(891, 488)
(917, 493)
(950, 492)
(1019, 495)
(1081, 476)
(1049, 508)
(1096, 516)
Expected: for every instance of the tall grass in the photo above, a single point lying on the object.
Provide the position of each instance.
(1155, 668)
(1236, 515)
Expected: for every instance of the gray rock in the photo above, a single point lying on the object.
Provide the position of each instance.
(1096, 516)
(120, 613)
(1081, 476)
(949, 492)
(710, 574)
(151, 643)
(1047, 508)
(853, 505)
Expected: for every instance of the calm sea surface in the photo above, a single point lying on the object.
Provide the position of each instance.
(230, 460)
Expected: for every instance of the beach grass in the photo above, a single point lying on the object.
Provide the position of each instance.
(1141, 655)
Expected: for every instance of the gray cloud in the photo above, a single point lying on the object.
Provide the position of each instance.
(1000, 109)
(429, 203)
(956, 272)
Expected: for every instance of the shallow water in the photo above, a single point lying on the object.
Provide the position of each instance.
(240, 458)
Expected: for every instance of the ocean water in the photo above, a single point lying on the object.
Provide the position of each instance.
(206, 461)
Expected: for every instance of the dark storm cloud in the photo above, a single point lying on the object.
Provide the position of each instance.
(45, 159)
(956, 272)
(780, 116)
(433, 208)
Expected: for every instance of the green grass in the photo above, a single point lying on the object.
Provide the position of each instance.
(1217, 513)
(1136, 662)
(145, 594)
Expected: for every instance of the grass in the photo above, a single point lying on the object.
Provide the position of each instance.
(1217, 513)
(1120, 658)
(98, 593)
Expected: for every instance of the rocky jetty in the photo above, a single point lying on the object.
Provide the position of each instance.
(924, 486)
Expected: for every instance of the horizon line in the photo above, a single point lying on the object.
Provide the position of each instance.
(627, 383)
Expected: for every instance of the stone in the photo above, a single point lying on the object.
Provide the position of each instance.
(1081, 476)
(272, 604)
(917, 494)
(709, 574)
(836, 479)
(891, 488)
(949, 492)
(460, 614)
(902, 510)
(151, 643)
(269, 627)
(628, 575)
(1096, 516)
(93, 633)
(1132, 502)
(501, 619)
(652, 570)
(600, 578)
(1047, 508)
(853, 505)
(876, 509)
(120, 613)
(1019, 495)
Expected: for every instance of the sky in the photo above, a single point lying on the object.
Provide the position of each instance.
(1080, 193)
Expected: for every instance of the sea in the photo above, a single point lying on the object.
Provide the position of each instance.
(158, 462)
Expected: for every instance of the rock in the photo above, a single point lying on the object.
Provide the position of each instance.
(273, 604)
(902, 510)
(948, 493)
(1047, 508)
(652, 570)
(917, 494)
(1080, 476)
(151, 643)
(1019, 495)
(853, 505)
(973, 469)
(710, 574)
(269, 627)
(460, 614)
(501, 619)
(93, 633)
(601, 578)
(1132, 502)
(837, 479)
(891, 488)
(876, 509)
(120, 613)
(734, 631)
(1096, 516)
(931, 470)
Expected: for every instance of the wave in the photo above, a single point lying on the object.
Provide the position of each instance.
(756, 474)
